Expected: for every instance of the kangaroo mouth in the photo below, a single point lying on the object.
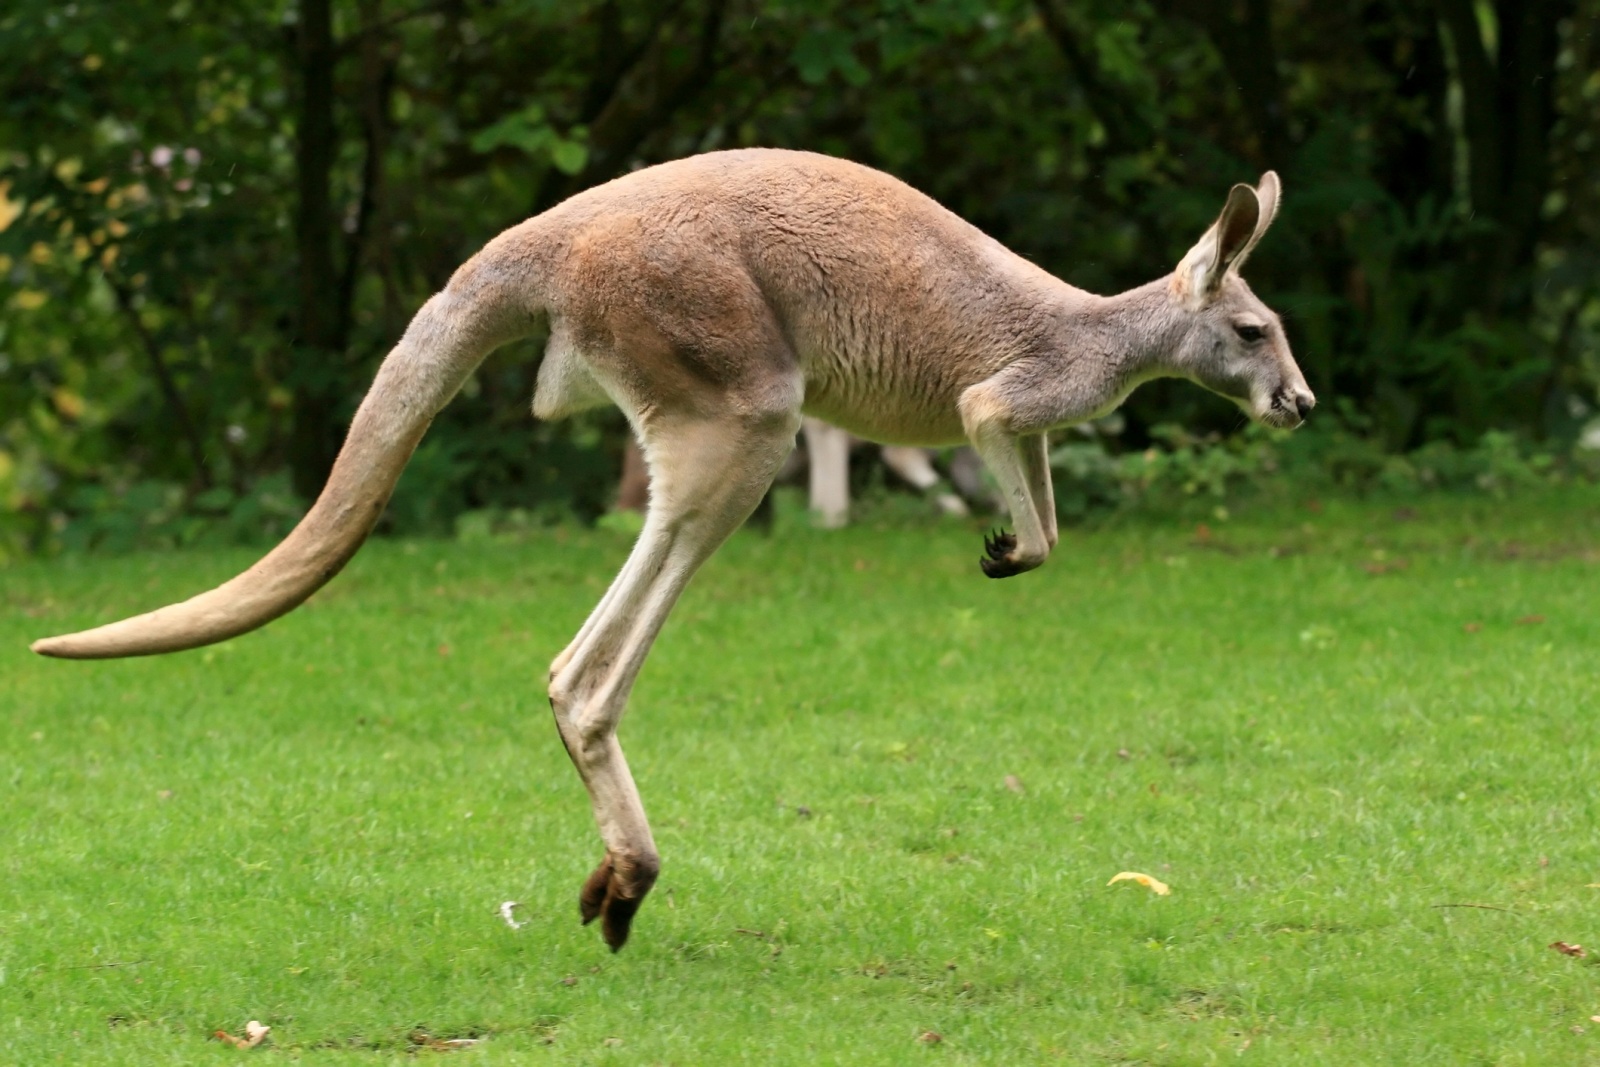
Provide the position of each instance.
(1283, 411)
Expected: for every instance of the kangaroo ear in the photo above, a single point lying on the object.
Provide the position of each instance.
(1200, 272)
(1268, 192)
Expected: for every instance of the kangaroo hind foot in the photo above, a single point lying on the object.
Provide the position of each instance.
(614, 892)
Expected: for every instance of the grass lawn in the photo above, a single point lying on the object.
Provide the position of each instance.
(1360, 745)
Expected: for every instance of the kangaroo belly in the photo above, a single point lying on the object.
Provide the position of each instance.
(895, 409)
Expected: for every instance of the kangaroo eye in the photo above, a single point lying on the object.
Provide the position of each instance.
(1250, 333)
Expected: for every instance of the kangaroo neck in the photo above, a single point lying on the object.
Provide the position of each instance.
(1133, 334)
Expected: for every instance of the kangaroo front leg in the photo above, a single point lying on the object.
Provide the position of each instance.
(1035, 449)
(1001, 449)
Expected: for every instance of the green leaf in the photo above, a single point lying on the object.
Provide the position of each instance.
(569, 157)
(822, 52)
(525, 129)
(530, 133)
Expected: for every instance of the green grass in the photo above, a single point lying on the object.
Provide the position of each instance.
(314, 825)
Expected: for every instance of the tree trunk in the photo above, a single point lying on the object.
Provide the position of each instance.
(633, 491)
(1508, 113)
(1241, 32)
(317, 357)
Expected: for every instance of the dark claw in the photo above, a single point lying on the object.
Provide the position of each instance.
(618, 920)
(999, 545)
(593, 895)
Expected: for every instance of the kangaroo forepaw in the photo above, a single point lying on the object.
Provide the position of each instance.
(1000, 559)
(996, 561)
(998, 545)
(614, 892)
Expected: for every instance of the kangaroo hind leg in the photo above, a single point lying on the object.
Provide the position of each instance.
(706, 478)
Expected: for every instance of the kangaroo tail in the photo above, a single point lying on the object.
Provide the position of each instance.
(444, 343)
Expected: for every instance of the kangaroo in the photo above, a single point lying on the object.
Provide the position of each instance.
(714, 299)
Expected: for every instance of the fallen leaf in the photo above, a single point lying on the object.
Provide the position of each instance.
(1473, 627)
(1576, 951)
(1202, 533)
(1530, 620)
(930, 1037)
(506, 911)
(1155, 885)
(254, 1034)
(1014, 784)
(612, 1042)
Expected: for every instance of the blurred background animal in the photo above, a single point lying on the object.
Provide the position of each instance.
(823, 461)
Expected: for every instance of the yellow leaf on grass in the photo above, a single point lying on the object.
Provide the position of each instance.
(1155, 885)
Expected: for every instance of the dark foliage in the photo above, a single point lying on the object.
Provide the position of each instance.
(216, 217)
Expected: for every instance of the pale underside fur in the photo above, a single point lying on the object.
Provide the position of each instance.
(714, 299)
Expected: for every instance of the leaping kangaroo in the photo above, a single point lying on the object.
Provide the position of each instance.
(714, 299)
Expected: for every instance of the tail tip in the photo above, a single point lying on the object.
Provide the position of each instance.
(55, 647)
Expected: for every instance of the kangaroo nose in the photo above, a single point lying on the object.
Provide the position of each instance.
(1303, 403)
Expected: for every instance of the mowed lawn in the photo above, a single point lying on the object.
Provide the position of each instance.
(1359, 744)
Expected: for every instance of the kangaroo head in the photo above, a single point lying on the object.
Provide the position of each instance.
(1232, 343)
